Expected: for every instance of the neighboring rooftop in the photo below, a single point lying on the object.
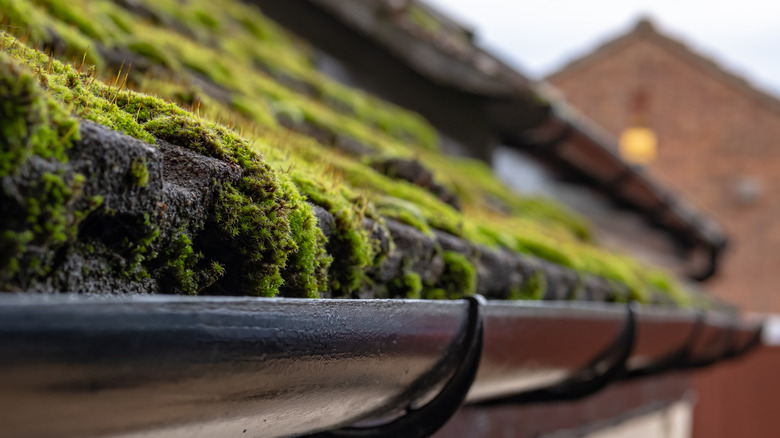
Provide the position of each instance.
(647, 30)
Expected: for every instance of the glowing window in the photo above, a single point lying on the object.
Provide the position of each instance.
(638, 145)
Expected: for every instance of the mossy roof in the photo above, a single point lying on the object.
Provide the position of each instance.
(223, 80)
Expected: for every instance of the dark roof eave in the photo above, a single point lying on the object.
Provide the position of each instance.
(468, 69)
(702, 228)
(594, 152)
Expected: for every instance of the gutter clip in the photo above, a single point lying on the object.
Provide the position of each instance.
(676, 359)
(605, 368)
(694, 363)
(736, 352)
(424, 421)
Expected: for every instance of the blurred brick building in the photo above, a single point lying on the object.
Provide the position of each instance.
(717, 142)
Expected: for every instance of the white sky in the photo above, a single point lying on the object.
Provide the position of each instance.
(540, 36)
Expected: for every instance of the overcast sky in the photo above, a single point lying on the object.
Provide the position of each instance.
(540, 36)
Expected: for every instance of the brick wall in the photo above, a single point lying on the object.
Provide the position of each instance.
(739, 399)
(715, 142)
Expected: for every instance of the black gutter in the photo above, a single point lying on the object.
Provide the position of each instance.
(89, 366)
(271, 366)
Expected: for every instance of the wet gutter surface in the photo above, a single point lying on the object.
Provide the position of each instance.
(195, 366)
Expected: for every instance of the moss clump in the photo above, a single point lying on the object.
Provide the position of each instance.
(351, 244)
(259, 232)
(63, 12)
(306, 270)
(532, 288)
(38, 224)
(661, 282)
(478, 188)
(261, 218)
(151, 52)
(137, 249)
(409, 285)
(178, 272)
(30, 122)
(404, 212)
(180, 34)
(39, 217)
(252, 215)
(459, 277)
(544, 251)
(139, 174)
(434, 293)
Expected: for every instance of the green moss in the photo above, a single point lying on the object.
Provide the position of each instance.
(178, 273)
(253, 215)
(409, 285)
(235, 49)
(616, 268)
(532, 288)
(459, 278)
(422, 18)
(437, 214)
(63, 11)
(47, 216)
(254, 110)
(90, 99)
(351, 245)
(661, 282)
(619, 293)
(403, 211)
(139, 173)
(151, 52)
(544, 251)
(478, 187)
(262, 222)
(306, 271)
(30, 123)
(207, 20)
(120, 20)
(429, 293)
(140, 249)
(262, 217)
(48, 25)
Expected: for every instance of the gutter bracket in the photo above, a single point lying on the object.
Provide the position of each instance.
(605, 368)
(692, 363)
(676, 359)
(753, 343)
(716, 253)
(424, 421)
